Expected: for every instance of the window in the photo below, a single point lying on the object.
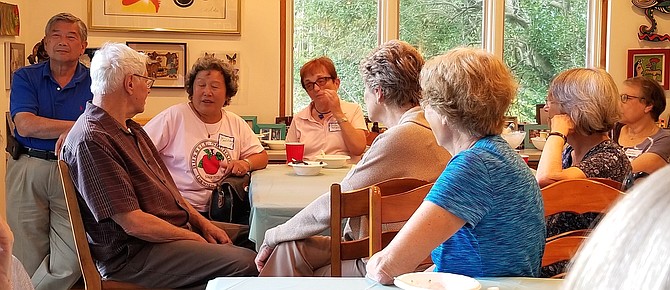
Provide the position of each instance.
(539, 39)
(344, 30)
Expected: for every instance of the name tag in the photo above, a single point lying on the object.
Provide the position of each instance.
(633, 152)
(227, 142)
(334, 127)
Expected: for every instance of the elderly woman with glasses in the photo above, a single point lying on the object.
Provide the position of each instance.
(583, 105)
(199, 141)
(328, 125)
(484, 216)
(647, 145)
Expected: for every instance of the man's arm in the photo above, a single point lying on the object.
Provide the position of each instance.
(31, 125)
(210, 232)
(152, 229)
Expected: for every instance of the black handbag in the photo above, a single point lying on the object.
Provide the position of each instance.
(230, 200)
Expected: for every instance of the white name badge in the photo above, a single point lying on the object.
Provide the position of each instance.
(227, 142)
(334, 127)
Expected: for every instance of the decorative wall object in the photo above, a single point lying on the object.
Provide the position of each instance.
(39, 53)
(272, 131)
(88, 56)
(9, 19)
(651, 63)
(211, 16)
(166, 62)
(649, 6)
(15, 57)
(232, 57)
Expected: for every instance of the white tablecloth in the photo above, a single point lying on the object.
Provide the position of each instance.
(298, 283)
(277, 194)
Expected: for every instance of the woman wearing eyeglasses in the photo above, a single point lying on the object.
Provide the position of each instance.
(328, 124)
(647, 145)
(199, 141)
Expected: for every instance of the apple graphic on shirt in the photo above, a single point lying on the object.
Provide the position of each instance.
(210, 161)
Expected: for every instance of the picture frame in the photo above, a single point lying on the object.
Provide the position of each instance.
(651, 63)
(166, 62)
(252, 121)
(533, 130)
(213, 16)
(272, 131)
(10, 22)
(15, 58)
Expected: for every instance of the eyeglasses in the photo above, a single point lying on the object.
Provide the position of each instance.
(150, 81)
(320, 81)
(625, 98)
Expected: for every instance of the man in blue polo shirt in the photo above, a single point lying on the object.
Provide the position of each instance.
(45, 100)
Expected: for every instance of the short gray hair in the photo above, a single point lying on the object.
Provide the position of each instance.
(111, 64)
(589, 96)
(629, 248)
(394, 67)
(209, 62)
(69, 18)
(471, 88)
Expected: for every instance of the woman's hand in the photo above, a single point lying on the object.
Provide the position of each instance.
(262, 257)
(236, 167)
(377, 269)
(563, 124)
(332, 99)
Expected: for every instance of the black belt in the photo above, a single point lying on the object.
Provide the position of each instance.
(41, 154)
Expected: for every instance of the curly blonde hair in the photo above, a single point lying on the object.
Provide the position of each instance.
(589, 96)
(471, 88)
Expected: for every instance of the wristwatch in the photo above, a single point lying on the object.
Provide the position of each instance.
(559, 134)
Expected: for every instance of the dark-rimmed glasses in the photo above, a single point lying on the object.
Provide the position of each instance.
(320, 81)
(150, 81)
(626, 97)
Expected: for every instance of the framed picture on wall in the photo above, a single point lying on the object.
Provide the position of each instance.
(272, 131)
(650, 63)
(166, 62)
(252, 122)
(212, 16)
(15, 58)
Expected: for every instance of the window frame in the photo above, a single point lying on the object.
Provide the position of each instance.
(388, 12)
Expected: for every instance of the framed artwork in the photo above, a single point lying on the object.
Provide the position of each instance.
(211, 16)
(9, 19)
(15, 57)
(272, 131)
(532, 131)
(252, 122)
(651, 63)
(86, 58)
(166, 62)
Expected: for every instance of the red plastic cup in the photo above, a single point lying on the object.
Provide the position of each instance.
(294, 151)
(525, 158)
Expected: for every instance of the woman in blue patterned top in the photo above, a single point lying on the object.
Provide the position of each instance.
(484, 216)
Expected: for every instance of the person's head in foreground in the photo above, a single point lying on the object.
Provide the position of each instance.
(391, 77)
(120, 72)
(629, 248)
(484, 216)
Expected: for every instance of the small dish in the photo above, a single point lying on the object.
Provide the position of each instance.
(307, 168)
(333, 161)
(538, 142)
(514, 138)
(276, 144)
(436, 280)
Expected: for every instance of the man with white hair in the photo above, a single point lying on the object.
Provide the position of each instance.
(140, 228)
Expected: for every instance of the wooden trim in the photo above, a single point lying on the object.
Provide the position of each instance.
(604, 33)
(282, 58)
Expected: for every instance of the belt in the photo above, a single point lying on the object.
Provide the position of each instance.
(41, 154)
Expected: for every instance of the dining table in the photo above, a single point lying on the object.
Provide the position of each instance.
(300, 283)
(276, 194)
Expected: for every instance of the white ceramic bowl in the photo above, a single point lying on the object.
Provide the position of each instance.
(276, 144)
(435, 280)
(311, 168)
(514, 138)
(538, 142)
(333, 161)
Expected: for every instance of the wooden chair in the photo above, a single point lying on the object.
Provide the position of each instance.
(578, 196)
(613, 183)
(356, 203)
(92, 279)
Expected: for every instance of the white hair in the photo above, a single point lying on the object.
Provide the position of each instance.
(111, 64)
(630, 248)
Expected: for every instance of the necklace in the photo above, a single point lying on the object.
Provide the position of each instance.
(209, 135)
(320, 114)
